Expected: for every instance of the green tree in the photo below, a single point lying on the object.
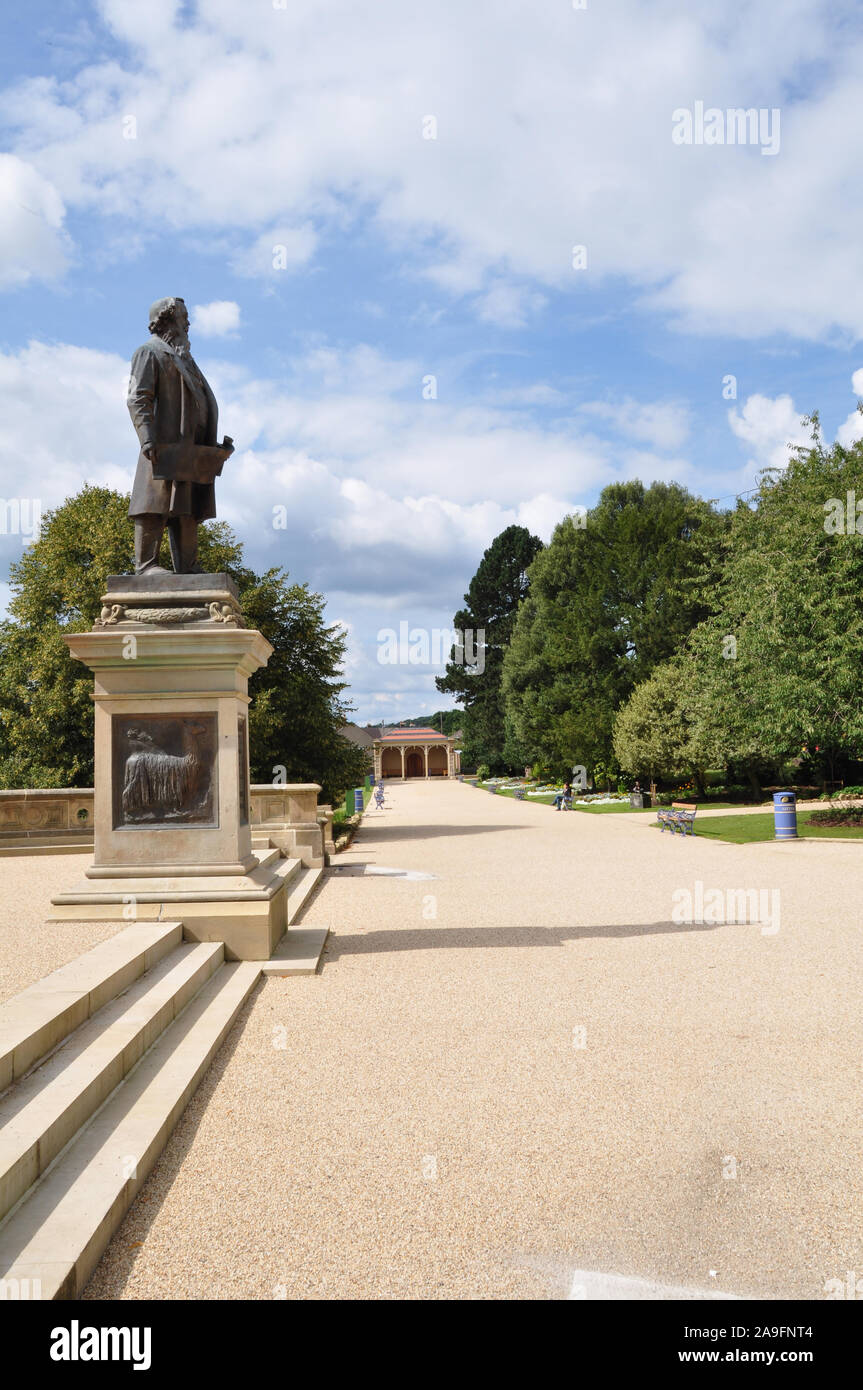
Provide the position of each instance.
(492, 600)
(776, 668)
(656, 732)
(297, 709)
(611, 598)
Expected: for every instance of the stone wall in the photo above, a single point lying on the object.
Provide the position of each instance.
(40, 815)
(288, 814)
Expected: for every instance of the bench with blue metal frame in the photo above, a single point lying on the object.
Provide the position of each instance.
(678, 816)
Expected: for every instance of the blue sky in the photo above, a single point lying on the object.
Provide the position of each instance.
(168, 148)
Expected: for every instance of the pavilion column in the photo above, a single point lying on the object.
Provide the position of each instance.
(426, 757)
(402, 751)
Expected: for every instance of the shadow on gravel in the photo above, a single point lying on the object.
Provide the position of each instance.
(496, 938)
(429, 832)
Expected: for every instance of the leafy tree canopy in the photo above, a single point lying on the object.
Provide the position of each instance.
(774, 671)
(492, 601)
(611, 598)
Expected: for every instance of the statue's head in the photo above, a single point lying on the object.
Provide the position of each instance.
(169, 319)
(139, 737)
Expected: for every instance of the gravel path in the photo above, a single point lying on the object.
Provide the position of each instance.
(547, 1076)
(30, 947)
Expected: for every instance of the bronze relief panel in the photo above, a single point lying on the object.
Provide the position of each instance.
(164, 770)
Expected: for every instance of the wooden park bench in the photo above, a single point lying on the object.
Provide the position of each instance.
(678, 816)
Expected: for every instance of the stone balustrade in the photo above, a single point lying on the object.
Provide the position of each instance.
(42, 814)
(288, 814)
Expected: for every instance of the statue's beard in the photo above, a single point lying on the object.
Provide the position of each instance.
(178, 338)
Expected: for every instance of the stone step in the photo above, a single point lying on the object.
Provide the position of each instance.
(301, 889)
(289, 870)
(42, 1113)
(38, 1019)
(58, 1233)
(298, 952)
(268, 858)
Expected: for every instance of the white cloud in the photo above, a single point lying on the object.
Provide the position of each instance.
(554, 129)
(768, 426)
(64, 412)
(536, 393)
(664, 424)
(275, 251)
(33, 244)
(509, 306)
(219, 319)
(851, 429)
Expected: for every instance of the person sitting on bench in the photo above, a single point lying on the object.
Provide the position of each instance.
(564, 796)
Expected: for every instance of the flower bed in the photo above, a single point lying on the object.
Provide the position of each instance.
(838, 815)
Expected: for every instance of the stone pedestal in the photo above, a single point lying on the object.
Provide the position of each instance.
(287, 813)
(172, 807)
(325, 819)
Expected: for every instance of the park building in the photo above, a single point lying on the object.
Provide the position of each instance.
(410, 753)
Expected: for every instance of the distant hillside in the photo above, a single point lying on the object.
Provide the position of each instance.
(452, 721)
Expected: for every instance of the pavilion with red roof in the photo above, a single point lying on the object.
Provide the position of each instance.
(408, 753)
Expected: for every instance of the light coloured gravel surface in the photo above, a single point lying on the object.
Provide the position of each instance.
(438, 1125)
(30, 947)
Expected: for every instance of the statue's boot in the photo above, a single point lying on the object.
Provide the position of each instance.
(183, 540)
(148, 539)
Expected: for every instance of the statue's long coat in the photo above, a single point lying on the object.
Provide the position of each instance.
(170, 400)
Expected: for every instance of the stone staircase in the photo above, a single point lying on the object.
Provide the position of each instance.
(300, 878)
(100, 1060)
(97, 1063)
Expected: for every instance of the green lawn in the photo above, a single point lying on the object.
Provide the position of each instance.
(624, 806)
(613, 810)
(746, 830)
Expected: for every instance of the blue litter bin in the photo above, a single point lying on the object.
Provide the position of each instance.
(358, 799)
(785, 815)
